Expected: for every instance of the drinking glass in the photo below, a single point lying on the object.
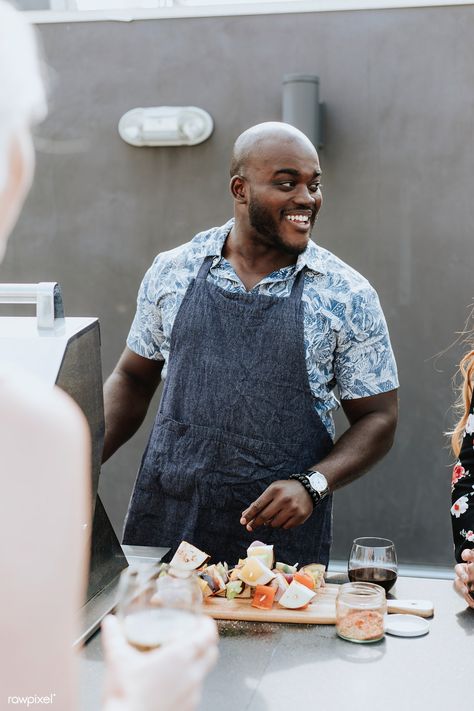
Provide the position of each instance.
(373, 560)
(157, 604)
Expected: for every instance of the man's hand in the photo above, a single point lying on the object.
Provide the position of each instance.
(284, 504)
(464, 582)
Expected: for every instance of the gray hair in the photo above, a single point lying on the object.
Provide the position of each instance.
(22, 93)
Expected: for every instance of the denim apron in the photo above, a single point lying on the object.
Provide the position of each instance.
(236, 414)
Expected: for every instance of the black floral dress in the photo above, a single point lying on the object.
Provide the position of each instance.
(462, 509)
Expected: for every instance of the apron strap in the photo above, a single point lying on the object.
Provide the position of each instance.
(205, 268)
(298, 284)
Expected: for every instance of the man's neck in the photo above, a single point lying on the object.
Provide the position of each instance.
(251, 259)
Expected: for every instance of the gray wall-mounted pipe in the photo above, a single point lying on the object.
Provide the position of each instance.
(301, 107)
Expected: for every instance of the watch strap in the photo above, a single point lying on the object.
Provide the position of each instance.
(303, 479)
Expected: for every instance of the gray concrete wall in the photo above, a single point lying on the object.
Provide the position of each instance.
(398, 163)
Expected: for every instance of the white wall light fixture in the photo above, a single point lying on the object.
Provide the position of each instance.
(166, 126)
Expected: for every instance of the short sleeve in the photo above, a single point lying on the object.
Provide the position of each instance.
(146, 332)
(364, 363)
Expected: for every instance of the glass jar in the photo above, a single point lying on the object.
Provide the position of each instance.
(178, 589)
(157, 604)
(360, 611)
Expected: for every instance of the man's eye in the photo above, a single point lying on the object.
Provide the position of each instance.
(315, 187)
(288, 184)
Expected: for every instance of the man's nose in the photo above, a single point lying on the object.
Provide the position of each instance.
(304, 197)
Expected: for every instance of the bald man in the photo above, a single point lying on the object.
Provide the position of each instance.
(251, 326)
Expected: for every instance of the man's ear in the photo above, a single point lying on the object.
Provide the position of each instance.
(238, 188)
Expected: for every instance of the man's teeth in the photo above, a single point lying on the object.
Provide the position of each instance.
(304, 219)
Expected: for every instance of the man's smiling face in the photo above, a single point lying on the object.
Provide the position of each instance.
(284, 193)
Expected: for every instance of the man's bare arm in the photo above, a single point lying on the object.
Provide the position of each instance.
(373, 420)
(127, 395)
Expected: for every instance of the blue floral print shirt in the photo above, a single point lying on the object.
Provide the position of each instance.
(346, 337)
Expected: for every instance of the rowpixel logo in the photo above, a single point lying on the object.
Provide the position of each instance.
(31, 700)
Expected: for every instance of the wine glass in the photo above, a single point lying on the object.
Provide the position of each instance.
(157, 604)
(373, 560)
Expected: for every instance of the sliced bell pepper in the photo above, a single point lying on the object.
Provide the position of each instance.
(263, 598)
(305, 579)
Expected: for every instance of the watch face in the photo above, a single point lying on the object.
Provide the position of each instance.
(318, 482)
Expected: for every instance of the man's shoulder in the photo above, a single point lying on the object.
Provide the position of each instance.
(185, 257)
(340, 277)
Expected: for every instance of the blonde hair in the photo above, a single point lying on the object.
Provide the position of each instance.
(22, 93)
(463, 403)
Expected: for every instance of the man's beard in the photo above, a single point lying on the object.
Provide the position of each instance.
(262, 220)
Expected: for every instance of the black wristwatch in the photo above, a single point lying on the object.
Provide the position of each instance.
(315, 484)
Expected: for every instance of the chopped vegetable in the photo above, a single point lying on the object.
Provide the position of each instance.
(285, 568)
(265, 553)
(280, 584)
(296, 596)
(305, 579)
(246, 593)
(188, 557)
(254, 572)
(233, 589)
(293, 589)
(223, 571)
(218, 581)
(234, 574)
(316, 570)
(206, 589)
(263, 598)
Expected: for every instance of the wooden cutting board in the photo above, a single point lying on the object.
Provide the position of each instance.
(322, 611)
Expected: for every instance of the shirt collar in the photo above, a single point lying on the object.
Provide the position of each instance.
(311, 258)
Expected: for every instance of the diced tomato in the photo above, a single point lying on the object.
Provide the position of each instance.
(304, 579)
(263, 598)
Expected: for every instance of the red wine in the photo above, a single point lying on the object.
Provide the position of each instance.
(380, 576)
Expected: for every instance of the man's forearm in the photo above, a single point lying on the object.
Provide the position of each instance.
(359, 448)
(125, 407)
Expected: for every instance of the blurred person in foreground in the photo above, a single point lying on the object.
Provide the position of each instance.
(462, 509)
(44, 469)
